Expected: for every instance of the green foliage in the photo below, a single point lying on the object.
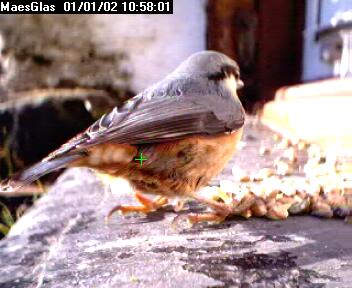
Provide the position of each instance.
(5, 152)
(6, 219)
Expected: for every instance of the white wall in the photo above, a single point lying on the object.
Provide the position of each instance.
(155, 44)
(97, 50)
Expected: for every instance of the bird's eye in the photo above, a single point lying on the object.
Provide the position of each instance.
(225, 72)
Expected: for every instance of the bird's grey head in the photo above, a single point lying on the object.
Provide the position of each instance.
(213, 65)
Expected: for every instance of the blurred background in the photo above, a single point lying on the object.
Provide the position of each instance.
(58, 73)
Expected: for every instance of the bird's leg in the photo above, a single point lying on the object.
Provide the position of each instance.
(221, 211)
(177, 204)
(195, 218)
(146, 207)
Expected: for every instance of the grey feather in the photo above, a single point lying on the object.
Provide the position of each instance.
(36, 171)
(184, 103)
(192, 100)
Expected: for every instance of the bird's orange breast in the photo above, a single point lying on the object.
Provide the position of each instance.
(172, 168)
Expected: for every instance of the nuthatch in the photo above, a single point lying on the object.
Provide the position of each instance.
(185, 127)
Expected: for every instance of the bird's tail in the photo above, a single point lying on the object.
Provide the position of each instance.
(36, 171)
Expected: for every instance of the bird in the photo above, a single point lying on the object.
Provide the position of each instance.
(186, 128)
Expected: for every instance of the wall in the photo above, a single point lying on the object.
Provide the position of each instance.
(155, 44)
(114, 52)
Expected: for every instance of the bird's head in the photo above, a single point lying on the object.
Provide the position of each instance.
(215, 66)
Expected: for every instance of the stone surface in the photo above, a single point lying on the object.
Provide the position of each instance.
(61, 51)
(63, 241)
(291, 113)
(120, 53)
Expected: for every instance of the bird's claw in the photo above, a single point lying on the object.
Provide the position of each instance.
(195, 218)
(146, 207)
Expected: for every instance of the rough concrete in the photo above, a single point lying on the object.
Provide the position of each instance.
(63, 241)
(55, 51)
(120, 53)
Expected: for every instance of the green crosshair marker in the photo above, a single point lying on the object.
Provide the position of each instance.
(141, 158)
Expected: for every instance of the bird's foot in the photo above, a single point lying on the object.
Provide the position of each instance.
(195, 218)
(177, 204)
(205, 217)
(147, 206)
(221, 211)
(220, 208)
(233, 205)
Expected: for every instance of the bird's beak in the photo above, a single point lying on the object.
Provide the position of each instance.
(240, 84)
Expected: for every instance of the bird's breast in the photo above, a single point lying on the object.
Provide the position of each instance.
(172, 168)
(181, 167)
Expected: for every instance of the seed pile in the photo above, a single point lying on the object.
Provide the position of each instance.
(302, 180)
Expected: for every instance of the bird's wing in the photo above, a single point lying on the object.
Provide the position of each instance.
(153, 120)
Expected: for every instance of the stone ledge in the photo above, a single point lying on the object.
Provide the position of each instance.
(315, 112)
(63, 241)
